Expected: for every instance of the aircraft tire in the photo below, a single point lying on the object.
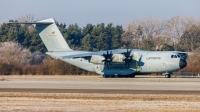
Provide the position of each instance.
(168, 76)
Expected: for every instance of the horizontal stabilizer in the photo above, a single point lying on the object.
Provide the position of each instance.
(46, 23)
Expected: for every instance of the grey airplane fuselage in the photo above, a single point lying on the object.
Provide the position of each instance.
(143, 62)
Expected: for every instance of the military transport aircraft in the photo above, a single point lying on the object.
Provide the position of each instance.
(109, 63)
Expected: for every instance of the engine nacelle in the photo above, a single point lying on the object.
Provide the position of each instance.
(118, 58)
(97, 59)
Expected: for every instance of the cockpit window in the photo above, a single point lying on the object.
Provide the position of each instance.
(175, 56)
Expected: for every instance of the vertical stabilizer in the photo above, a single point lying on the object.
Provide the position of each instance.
(51, 35)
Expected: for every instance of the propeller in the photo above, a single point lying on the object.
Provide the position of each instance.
(108, 59)
(128, 58)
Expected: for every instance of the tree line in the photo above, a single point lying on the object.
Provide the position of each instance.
(89, 38)
(177, 33)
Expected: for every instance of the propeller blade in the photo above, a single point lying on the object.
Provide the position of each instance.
(128, 59)
(108, 59)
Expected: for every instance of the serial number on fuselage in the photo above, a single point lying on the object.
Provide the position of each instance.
(153, 58)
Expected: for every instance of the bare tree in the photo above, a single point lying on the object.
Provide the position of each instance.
(187, 23)
(128, 36)
(37, 58)
(26, 18)
(14, 53)
(144, 29)
(190, 27)
(153, 31)
(158, 31)
(152, 27)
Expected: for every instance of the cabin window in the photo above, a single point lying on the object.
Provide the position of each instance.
(172, 56)
(175, 56)
(179, 56)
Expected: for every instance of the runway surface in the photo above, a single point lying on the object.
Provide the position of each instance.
(94, 93)
(101, 87)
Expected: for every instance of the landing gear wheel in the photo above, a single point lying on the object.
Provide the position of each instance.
(168, 76)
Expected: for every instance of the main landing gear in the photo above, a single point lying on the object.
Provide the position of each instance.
(120, 76)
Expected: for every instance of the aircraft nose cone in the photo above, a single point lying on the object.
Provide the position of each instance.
(182, 63)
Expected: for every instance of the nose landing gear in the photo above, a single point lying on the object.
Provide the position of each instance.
(167, 75)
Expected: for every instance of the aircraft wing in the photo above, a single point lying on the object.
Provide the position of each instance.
(82, 54)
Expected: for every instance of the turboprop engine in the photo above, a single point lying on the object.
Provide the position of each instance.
(97, 59)
(108, 59)
(118, 58)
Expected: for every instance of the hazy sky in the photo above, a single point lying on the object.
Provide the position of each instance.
(119, 12)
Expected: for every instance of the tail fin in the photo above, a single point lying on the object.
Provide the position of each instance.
(50, 35)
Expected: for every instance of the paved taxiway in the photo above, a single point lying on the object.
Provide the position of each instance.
(101, 87)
